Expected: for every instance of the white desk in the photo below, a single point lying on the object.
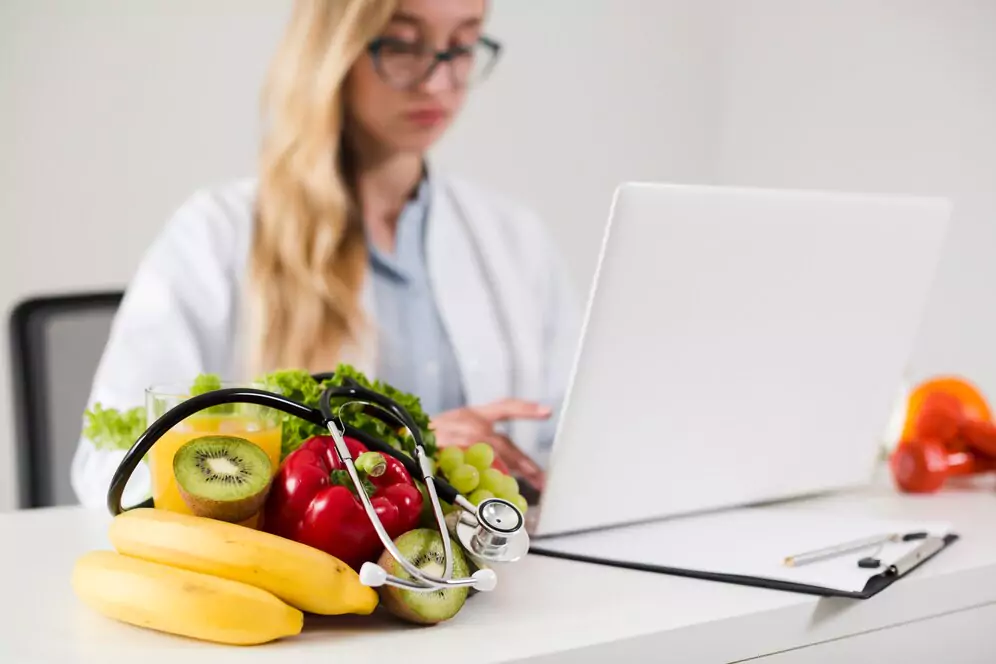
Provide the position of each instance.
(547, 610)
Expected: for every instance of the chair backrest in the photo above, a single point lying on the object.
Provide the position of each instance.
(56, 344)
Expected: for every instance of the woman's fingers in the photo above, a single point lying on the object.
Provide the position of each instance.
(513, 409)
(518, 462)
(465, 426)
(451, 438)
(455, 426)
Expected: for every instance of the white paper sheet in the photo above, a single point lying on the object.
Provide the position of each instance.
(751, 542)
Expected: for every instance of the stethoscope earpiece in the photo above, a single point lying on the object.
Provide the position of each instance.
(375, 576)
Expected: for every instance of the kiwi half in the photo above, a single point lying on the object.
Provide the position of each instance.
(223, 477)
(424, 548)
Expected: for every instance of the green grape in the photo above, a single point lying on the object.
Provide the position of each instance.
(509, 488)
(449, 458)
(479, 496)
(464, 478)
(492, 480)
(480, 456)
(519, 502)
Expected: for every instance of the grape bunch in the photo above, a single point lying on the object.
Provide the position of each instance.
(471, 473)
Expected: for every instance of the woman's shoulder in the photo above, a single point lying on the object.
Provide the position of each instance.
(226, 206)
(214, 221)
(493, 211)
(495, 202)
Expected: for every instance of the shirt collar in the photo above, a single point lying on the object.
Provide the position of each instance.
(408, 249)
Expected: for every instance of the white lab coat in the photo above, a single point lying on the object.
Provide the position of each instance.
(182, 313)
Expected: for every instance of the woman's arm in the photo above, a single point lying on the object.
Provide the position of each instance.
(173, 323)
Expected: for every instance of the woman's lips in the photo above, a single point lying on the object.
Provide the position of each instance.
(426, 117)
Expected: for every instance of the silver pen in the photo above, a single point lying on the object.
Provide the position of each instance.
(840, 549)
(848, 547)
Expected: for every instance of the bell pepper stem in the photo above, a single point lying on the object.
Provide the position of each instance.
(371, 463)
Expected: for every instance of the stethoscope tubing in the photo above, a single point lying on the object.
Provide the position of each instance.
(383, 408)
(266, 399)
(389, 409)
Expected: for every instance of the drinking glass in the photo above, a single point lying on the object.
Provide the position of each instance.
(257, 424)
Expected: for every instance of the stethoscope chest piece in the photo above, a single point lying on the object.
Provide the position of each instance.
(498, 536)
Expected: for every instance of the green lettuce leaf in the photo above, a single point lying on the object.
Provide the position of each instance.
(205, 383)
(112, 429)
(300, 386)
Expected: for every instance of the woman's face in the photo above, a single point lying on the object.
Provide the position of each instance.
(387, 95)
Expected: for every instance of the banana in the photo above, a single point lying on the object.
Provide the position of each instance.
(304, 577)
(181, 602)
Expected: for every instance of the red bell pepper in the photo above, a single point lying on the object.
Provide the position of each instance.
(312, 500)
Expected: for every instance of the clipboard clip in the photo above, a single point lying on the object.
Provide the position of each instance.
(929, 547)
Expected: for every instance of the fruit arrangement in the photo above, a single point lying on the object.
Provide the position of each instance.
(948, 431)
(259, 546)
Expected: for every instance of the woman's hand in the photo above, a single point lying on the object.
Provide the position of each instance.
(476, 424)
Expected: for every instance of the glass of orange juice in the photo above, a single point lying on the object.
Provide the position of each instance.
(256, 424)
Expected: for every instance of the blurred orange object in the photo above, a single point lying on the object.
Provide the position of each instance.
(939, 418)
(937, 404)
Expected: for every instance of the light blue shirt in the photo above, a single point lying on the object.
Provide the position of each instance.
(414, 352)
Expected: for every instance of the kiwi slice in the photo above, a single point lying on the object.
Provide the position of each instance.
(424, 548)
(223, 477)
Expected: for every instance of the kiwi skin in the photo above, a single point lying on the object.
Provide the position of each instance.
(423, 546)
(235, 510)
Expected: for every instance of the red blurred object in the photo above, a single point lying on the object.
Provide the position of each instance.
(923, 466)
(980, 436)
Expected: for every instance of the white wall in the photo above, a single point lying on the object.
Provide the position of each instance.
(878, 95)
(591, 92)
(113, 111)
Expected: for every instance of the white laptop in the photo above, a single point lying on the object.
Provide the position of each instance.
(740, 346)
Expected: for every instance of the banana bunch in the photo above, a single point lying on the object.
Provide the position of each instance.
(213, 580)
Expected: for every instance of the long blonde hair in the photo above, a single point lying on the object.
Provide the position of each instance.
(308, 255)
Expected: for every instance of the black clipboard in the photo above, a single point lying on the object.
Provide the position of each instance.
(929, 548)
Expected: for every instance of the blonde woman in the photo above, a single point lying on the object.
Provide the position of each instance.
(348, 246)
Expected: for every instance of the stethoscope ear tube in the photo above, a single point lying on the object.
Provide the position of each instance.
(386, 410)
(390, 413)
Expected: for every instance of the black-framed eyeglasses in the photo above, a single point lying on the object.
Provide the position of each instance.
(405, 64)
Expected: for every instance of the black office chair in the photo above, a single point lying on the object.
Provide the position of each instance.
(56, 344)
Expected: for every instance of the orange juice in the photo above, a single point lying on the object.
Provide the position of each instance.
(165, 493)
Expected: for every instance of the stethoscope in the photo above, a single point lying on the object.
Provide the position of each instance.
(493, 532)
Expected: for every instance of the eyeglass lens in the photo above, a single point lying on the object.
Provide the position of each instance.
(405, 64)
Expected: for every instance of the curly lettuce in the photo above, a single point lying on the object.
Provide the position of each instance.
(111, 429)
(301, 386)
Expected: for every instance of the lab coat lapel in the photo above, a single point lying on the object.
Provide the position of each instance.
(461, 292)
